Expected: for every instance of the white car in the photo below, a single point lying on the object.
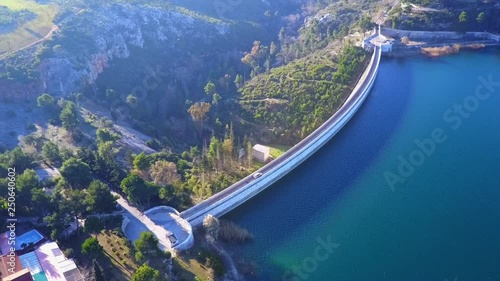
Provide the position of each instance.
(257, 175)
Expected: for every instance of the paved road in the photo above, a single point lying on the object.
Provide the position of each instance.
(160, 232)
(206, 207)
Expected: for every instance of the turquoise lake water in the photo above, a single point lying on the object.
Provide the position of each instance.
(436, 220)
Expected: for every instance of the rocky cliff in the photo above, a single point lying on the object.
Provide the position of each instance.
(90, 39)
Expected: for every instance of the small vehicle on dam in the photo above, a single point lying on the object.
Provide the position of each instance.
(257, 175)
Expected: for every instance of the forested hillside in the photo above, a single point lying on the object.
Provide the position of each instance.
(295, 99)
(447, 15)
(202, 82)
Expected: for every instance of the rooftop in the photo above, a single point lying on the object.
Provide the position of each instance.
(22, 275)
(262, 148)
(5, 266)
(55, 265)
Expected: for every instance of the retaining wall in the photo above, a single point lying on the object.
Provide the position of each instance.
(162, 208)
(125, 223)
(189, 242)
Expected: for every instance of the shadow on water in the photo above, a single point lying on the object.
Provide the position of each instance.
(318, 182)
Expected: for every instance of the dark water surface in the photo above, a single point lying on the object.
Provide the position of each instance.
(336, 217)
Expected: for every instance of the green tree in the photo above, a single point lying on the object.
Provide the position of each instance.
(25, 183)
(215, 100)
(50, 152)
(104, 135)
(227, 150)
(41, 202)
(91, 247)
(107, 152)
(146, 273)
(19, 159)
(199, 112)
(142, 162)
(132, 100)
(93, 225)
(462, 18)
(55, 222)
(99, 198)
(365, 23)
(138, 190)
(147, 244)
(238, 81)
(76, 173)
(281, 35)
(210, 88)
(481, 17)
(97, 271)
(69, 116)
(45, 100)
(74, 203)
(272, 49)
(249, 153)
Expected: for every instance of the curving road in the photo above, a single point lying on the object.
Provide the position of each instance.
(231, 197)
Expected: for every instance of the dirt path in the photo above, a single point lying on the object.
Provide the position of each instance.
(52, 30)
(129, 137)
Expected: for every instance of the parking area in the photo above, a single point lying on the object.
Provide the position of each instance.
(172, 223)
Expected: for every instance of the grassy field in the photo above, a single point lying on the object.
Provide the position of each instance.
(189, 268)
(117, 260)
(31, 31)
(277, 150)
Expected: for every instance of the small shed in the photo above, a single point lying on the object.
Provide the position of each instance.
(261, 152)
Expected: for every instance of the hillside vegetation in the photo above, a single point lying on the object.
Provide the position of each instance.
(447, 15)
(295, 99)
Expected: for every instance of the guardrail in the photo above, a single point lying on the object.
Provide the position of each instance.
(240, 192)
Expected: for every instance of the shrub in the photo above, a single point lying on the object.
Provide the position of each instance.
(216, 264)
(167, 254)
(154, 144)
(91, 246)
(231, 233)
(139, 257)
(69, 253)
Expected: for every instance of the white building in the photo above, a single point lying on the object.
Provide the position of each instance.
(55, 266)
(261, 152)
